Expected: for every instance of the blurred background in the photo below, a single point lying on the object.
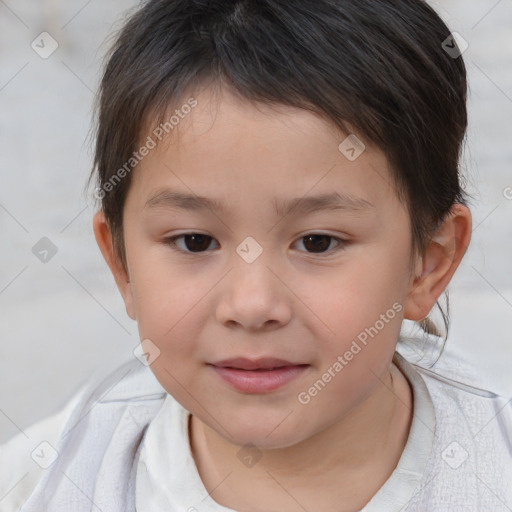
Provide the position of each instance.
(61, 316)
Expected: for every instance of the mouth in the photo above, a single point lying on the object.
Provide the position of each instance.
(257, 376)
(262, 364)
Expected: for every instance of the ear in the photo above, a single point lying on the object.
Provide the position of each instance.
(436, 267)
(104, 240)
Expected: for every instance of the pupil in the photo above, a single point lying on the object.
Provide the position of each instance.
(197, 243)
(318, 242)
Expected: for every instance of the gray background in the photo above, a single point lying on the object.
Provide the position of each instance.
(64, 319)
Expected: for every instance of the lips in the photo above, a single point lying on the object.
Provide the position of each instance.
(257, 376)
(265, 363)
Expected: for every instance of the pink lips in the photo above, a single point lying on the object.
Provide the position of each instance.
(257, 376)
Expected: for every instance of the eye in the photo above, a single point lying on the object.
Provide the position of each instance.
(318, 243)
(315, 243)
(194, 242)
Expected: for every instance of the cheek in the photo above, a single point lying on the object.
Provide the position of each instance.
(362, 304)
(355, 295)
(171, 314)
(163, 294)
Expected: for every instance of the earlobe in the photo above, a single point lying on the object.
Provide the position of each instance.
(104, 240)
(438, 264)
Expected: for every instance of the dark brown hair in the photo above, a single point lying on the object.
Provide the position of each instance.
(378, 66)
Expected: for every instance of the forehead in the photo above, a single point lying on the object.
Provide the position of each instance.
(227, 148)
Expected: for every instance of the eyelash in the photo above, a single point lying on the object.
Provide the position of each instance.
(171, 242)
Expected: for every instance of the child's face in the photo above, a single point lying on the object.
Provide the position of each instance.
(304, 301)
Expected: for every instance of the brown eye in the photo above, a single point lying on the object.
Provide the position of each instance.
(193, 242)
(320, 243)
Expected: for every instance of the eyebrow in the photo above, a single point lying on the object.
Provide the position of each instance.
(170, 199)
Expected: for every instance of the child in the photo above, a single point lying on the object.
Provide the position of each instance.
(271, 379)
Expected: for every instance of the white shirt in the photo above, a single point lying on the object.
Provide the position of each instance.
(131, 451)
(455, 457)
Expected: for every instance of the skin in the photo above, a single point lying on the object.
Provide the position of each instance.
(293, 303)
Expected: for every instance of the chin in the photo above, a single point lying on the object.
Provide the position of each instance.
(264, 436)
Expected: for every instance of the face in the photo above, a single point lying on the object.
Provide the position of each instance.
(270, 324)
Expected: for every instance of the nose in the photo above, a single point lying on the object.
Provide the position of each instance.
(253, 297)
